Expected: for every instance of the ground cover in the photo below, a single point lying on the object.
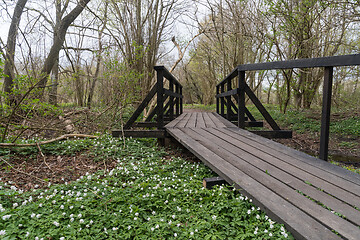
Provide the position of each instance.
(143, 192)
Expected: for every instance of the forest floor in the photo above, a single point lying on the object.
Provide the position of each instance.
(37, 169)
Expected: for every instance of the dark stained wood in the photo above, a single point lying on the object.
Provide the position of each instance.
(241, 100)
(172, 94)
(217, 100)
(345, 60)
(299, 223)
(146, 124)
(261, 108)
(273, 134)
(325, 116)
(250, 124)
(228, 100)
(160, 98)
(167, 74)
(141, 108)
(228, 93)
(209, 183)
(222, 101)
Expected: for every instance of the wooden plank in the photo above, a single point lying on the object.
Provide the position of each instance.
(192, 121)
(182, 123)
(208, 121)
(276, 168)
(333, 184)
(297, 222)
(140, 133)
(217, 122)
(141, 107)
(296, 157)
(174, 122)
(200, 123)
(224, 121)
(319, 213)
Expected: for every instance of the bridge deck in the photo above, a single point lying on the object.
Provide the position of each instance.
(293, 188)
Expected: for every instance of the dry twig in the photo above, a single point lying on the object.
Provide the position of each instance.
(39, 179)
(66, 136)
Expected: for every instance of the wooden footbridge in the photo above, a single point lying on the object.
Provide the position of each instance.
(313, 198)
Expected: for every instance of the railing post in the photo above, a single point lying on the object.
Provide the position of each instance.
(160, 99)
(241, 99)
(228, 101)
(177, 106)
(217, 100)
(181, 101)
(222, 100)
(171, 100)
(325, 116)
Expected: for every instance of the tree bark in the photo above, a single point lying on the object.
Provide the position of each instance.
(10, 49)
(58, 42)
(55, 69)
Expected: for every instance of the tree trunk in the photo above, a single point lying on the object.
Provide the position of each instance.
(55, 69)
(10, 49)
(58, 42)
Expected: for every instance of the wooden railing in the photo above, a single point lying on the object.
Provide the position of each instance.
(169, 106)
(228, 109)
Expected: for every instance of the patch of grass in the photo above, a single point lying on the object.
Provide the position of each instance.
(347, 144)
(348, 167)
(148, 196)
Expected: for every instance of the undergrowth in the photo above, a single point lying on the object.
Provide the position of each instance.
(150, 195)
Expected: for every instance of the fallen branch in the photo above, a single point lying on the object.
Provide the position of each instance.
(12, 167)
(66, 136)
(44, 158)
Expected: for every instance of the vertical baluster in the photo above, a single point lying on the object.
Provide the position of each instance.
(222, 100)
(228, 101)
(241, 99)
(171, 100)
(217, 100)
(325, 117)
(160, 99)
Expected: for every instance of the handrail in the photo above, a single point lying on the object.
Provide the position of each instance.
(328, 63)
(334, 61)
(174, 92)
